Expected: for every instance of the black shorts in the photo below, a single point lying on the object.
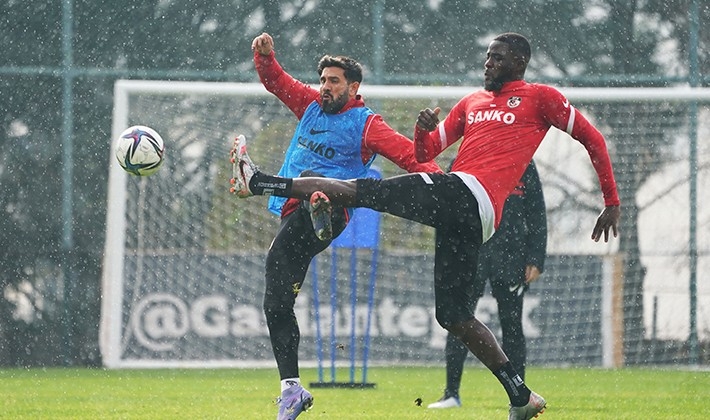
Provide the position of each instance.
(445, 203)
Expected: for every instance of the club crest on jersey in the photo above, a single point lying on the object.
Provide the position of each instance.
(514, 101)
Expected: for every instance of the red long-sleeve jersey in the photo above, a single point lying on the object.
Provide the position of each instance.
(501, 132)
(378, 137)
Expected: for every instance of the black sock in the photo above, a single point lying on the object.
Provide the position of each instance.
(262, 184)
(518, 392)
(455, 353)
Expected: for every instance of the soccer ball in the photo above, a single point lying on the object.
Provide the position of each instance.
(139, 150)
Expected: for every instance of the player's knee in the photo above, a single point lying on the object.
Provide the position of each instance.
(276, 303)
(368, 193)
(444, 319)
(276, 312)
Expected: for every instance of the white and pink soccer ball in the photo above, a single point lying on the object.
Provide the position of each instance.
(139, 150)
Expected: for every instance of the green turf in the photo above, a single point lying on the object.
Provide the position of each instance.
(249, 394)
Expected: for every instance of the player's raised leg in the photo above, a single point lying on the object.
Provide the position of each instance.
(247, 181)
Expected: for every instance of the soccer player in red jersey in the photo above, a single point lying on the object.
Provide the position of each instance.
(501, 127)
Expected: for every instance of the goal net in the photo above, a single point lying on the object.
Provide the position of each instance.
(183, 269)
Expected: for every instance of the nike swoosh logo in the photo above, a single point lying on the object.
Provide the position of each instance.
(518, 288)
(566, 103)
(314, 131)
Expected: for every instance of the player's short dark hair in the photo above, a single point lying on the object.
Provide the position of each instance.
(518, 44)
(353, 69)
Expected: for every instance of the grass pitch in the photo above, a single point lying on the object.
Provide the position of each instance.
(250, 393)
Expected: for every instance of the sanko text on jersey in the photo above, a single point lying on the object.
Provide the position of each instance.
(318, 148)
(491, 115)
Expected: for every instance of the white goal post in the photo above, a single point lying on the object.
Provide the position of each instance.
(183, 260)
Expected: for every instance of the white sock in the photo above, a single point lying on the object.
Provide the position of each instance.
(289, 382)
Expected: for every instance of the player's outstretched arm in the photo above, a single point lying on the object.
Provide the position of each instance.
(608, 219)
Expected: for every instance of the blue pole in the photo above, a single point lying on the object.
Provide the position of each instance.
(353, 308)
(370, 307)
(333, 312)
(316, 312)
